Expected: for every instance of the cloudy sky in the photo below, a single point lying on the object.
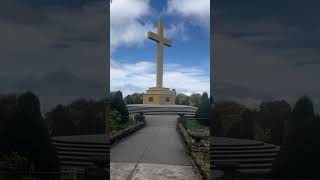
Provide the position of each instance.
(266, 50)
(133, 56)
(55, 48)
(262, 50)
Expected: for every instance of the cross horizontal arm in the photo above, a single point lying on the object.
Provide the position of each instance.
(153, 36)
(167, 42)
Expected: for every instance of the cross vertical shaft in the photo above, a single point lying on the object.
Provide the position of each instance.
(159, 38)
(160, 57)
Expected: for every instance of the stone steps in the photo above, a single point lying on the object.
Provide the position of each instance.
(81, 153)
(79, 146)
(246, 160)
(242, 148)
(255, 172)
(254, 157)
(77, 152)
(67, 163)
(257, 151)
(71, 149)
(254, 166)
(161, 109)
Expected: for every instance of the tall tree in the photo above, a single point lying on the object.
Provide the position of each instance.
(228, 117)
(301, 145)
(273, 116)
(61, 121)
(203, 111)
(195, 99)
(29, 127)
(135, 98)
(93, 121)
(182, 99)
(118, 104)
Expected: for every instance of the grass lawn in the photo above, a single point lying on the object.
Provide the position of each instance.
(194, 124)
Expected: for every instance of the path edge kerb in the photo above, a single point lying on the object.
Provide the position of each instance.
(121, 134)
(186, 139)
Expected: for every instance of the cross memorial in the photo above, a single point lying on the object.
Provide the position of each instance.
(161, 40)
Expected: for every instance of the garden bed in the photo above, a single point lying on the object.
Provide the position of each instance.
(118, 135)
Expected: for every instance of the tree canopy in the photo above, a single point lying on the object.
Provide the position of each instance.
(26, 126)
(135, 98)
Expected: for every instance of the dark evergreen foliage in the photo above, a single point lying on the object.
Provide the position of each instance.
(195, 99)
(61, 123)
(135, 98)
(118, 104)
(80, 117)
(273, 115)
(182, 99)
(26, 132)
(232, 120)
(202, 112)
(301, 146)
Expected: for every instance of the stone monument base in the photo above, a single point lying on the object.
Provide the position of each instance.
(158, 95)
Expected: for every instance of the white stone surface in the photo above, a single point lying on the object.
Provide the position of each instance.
(148, 171)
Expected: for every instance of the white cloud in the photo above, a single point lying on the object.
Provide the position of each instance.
(177, 30)
(126, 19)
(198, 10)
(138, 77)
(129, 27)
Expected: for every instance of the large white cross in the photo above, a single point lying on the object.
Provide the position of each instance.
(161, 40)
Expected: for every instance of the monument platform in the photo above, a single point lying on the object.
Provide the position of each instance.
(159, 95)
(75, 152)
(169, 109)
(254, 158)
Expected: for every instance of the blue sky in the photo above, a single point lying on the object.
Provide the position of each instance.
(133, 56)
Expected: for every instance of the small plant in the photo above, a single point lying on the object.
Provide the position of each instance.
(15, 166)
(264, 136)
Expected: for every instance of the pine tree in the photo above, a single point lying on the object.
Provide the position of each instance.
(118, 104)
(203, 110)
(32, 136)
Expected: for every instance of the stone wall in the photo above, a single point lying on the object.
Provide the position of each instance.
(129, 130)
(199, 154)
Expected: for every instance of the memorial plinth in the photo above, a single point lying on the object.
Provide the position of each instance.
(159, 95)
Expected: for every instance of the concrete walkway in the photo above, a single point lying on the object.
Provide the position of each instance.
(154, 152)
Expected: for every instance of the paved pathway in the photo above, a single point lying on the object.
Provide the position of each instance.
(154, 152)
